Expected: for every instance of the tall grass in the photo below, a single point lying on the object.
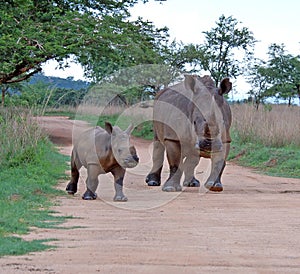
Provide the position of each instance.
(29, 169)
(275, 126)
(19, 136)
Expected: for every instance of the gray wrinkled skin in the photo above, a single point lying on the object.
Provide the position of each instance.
(191, 120)
(101, 151)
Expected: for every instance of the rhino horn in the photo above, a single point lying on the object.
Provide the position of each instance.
(225, 86)
(129, 129)
(108, 127)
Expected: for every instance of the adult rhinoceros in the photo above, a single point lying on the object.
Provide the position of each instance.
(191, 120)
(101, 151)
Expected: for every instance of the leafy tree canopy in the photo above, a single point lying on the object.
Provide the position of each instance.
(284, 72)
(278, 77)
(95, 32)
(219, 54)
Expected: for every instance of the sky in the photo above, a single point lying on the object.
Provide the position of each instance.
(271, 21)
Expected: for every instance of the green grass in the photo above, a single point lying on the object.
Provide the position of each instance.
(17, 246)
(143, 130)
(283, 161)
(26, 195)
(70, 114)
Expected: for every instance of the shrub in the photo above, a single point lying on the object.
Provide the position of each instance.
(19, 136)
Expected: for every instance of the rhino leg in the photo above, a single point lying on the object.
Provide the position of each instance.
(92, 182)
(153, 178)
(175, 162)
(118, 174)
(89, 195)
(213, 183)
(189, 165)
(72, 185)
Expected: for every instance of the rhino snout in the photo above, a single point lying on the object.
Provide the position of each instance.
(131, 161)
(209, 145)
(136, 158)
(204, 144)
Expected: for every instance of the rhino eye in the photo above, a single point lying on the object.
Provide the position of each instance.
(119, 150)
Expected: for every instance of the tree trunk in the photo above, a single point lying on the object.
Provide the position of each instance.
(298, 92)
(3, 96)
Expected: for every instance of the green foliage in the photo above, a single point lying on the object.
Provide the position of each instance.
(279, 77)
(29, 96)
(138, 42)
(17, 246)
(259, 81)
(284, 73)
(131, 85)
(43, 94)
(96, 33)
(217, 54)
(25, 193)
(19, 137)
(143, 130)
(29, 170)
(274, 161)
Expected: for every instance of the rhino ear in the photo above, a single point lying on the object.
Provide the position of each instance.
(129, 129)
(189, 82)
(225, 86)
(108, 127)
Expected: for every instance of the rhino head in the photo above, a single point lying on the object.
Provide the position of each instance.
(206, 116)
(123, 152)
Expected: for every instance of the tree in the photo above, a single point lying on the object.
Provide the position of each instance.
(136, 43)
(284, 73)
(278, 77)
(259, 81)
(34, 31)
(219, 55)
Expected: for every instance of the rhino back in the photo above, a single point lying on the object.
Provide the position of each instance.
(92, 145)
(172, 111)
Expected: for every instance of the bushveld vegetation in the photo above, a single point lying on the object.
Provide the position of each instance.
(267, 139)
(271, 125)
(29, 169)
(19, 136)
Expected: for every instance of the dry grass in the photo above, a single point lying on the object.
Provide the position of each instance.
(276, 125)
(19, 135)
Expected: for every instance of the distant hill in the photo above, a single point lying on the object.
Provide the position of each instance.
(68, 83)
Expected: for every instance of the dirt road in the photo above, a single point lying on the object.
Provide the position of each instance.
(251, 227)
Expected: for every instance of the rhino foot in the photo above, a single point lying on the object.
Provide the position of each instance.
(120, 199)
(153, 180)
(193, 183)
(89, 195)
(71, 188)
(172, 188)
(212, 186)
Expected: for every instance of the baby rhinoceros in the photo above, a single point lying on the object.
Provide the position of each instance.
(101, 151)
